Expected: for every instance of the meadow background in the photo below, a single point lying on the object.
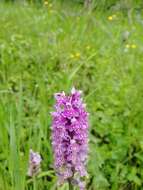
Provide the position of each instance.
(50, 47)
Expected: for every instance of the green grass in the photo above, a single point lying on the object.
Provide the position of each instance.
(47, 50)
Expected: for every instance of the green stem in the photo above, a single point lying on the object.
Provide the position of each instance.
(34, 183)
(70, 185)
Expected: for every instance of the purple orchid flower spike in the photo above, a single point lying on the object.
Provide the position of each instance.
(70, 137)
(34, 163)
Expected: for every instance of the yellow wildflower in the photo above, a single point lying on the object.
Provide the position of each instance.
(133, 46)
(110, 18)
(46, 3)
(77, 55)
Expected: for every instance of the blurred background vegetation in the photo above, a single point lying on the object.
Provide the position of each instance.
(50, 46)
(104, 4)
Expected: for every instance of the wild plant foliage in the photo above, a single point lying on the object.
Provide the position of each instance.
(50, 48)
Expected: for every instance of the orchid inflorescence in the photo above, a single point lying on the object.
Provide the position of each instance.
(34, 163)
(70, 137)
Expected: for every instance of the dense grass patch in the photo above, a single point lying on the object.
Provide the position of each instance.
(50, 49)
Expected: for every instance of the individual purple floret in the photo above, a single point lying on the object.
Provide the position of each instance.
(34, 163)
(70, 136)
